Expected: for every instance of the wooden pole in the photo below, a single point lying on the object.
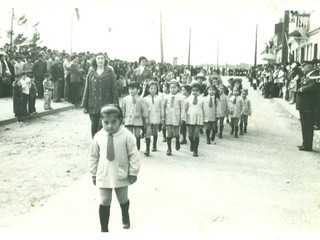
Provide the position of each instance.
(189, 47)
(255, 47)
(11, 33)
(161, 37)
(218, 55)
(71, 36)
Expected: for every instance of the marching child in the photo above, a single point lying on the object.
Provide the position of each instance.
(210, 112)
(113, 167)
(154, 107)
(235, 110)
(222, 109)
(246, 111)
(194, 116)
(165, 91)
(186, 91)
(134, 111)
(33, 94)
(172, 109)
(47, 89)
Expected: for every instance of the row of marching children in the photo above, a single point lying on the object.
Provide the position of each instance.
(181, 108)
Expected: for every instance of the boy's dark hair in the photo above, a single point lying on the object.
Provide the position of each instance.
(111, 109)
(187, 88)
(134, 84)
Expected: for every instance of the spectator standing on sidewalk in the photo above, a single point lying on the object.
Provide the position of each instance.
(66, 69)
(47, 89)
(39, 69)
(75, 82)
(25, 83)
(17, 98)
(113, 167)
(33, 94)
(307, 105)
(57, 79)
(100, 89)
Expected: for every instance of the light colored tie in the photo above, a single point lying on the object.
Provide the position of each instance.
(110, 148)
(152, 99)
(195, 100)
(134, 100)
(210, 103)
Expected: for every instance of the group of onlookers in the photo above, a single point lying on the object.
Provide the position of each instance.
(297, 83)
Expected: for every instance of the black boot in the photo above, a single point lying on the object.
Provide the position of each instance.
(147, 152)
(104, 214)
(138, 143)
(208, 136)
(241, 128)
(236, 132)
(220, 131)
(125, 215)
(154, 145)
(169, 150)
(196, 145)
(164, 134)
(191, 144)
(232, 130)
(177, 143)
(245, 128)
(184, 138)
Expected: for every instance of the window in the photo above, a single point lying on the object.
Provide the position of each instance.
(302, 54)
(315, 51)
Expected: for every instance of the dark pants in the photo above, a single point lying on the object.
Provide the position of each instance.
(32, 104)
(95, 123)
(75, 89)
(25, 102)
(307, 120)
(38, 81)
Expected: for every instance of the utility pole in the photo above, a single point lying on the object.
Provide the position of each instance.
(285, 31)
(255, 47)
(189, 47)
(161, 37)
(218, 55)
(11, 31)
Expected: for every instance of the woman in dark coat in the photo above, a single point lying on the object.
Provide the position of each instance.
(100, 89)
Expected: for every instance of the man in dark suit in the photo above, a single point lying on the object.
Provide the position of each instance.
(307, 104)
(39, 69)
(57, 79)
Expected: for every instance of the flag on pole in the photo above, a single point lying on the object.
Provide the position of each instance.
(77, 13)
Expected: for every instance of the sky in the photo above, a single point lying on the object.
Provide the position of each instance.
(129, 29)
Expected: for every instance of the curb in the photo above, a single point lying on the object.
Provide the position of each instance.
(316, 135)
(40, 114)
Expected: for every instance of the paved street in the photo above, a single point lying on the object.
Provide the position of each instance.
(259, 183)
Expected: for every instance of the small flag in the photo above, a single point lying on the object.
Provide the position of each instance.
(77, 13)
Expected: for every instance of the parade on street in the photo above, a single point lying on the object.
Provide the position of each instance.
(100, 141)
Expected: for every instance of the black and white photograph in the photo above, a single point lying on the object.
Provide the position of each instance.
(177, 119)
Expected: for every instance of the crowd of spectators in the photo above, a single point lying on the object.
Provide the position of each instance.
(276, 80)
(40, 60)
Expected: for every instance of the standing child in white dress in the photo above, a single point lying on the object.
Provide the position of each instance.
(246, 111)
(235, 110)
(222, 110)
(154, 107)
(194, 116)
(172, 109)
(134, 111)
(113, 163)
(210, 112)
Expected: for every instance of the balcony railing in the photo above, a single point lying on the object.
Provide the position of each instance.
(269, 56)
(299, 25)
